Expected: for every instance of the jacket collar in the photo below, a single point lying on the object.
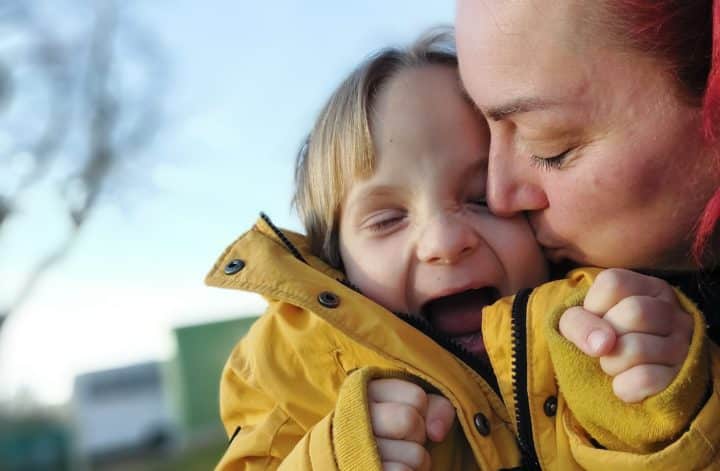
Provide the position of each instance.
(267, 258)
(269, 268)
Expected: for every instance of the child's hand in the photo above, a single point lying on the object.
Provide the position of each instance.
(635, 325)
(403, 417)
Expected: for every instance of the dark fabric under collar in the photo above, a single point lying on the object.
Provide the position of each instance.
(704, 289)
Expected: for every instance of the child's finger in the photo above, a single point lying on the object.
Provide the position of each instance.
(648, 315)
(400, 452)
(589, 332)
(395, 466)
(397, 421)
(636, 349)
(643, 381)
(439, 418)
(398, 390)
(615, 284)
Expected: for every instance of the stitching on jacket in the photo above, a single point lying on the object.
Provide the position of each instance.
(273, 438)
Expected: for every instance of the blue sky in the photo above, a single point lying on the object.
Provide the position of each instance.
(246, 80)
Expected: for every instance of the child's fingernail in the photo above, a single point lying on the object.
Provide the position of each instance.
(436, 431)
(597, 340)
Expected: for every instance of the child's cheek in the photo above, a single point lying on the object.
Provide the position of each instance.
(380, 271)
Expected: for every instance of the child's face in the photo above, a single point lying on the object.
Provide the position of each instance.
(416, 236)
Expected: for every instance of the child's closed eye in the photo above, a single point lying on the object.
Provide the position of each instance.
(385, 221)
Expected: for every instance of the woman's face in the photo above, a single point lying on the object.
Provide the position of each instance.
(593, 141)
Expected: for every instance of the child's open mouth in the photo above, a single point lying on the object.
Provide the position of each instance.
(459, 316)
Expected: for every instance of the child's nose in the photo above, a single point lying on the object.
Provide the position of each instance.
(446, 239)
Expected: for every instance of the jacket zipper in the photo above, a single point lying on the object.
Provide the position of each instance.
(520, 382)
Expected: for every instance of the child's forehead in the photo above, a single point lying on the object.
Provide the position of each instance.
(396, 177)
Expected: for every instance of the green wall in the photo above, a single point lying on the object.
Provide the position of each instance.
(201, 354)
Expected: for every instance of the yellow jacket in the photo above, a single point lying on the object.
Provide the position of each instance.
(293, 392)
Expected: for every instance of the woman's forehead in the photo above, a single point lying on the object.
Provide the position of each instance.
(527, 25)
(513, 56)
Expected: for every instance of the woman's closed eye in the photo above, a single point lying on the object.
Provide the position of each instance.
(552, 162)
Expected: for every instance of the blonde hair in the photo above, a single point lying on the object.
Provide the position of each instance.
(339, 149)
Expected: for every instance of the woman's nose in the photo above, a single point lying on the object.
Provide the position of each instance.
(446, 239)
(513, 185)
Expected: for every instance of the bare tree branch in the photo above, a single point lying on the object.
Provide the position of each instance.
(49, 54)
(107, 113)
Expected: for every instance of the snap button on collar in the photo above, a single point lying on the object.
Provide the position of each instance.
(328, 299)
(482, 424)
(550, 406)
(234, 266)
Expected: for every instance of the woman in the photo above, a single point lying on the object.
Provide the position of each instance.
(605, 131)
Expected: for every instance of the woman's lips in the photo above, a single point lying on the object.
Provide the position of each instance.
(553, 249)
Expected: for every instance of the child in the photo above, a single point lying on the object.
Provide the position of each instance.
(401, 256)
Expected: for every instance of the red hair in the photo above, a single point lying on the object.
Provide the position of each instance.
(685, 33)
(711, 122)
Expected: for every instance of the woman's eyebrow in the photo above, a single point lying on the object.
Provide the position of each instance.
(514, 106)
(518, 106)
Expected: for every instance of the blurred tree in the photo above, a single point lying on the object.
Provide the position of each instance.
(80, 91)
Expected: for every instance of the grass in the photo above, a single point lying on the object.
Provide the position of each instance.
(196, 458)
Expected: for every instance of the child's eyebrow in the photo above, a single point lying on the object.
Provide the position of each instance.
(373, 192)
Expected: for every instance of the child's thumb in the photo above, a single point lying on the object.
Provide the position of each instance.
(439, 418)
(589, 332)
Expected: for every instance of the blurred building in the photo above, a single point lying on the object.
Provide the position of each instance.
(122, 411)
(159, 416)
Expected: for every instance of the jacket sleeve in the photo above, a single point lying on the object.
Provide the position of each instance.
(263, 436)
(645, 427)
(278, 417)
(342, 440)
(697, 447)
(354, 443)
